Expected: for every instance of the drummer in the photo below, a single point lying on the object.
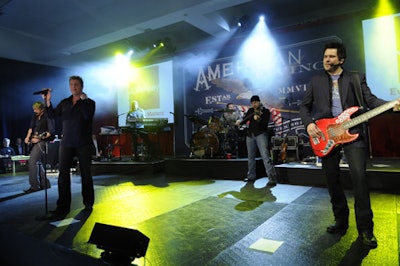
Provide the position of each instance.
(230, 116)
(228, 119)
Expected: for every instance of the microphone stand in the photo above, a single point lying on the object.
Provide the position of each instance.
(40, 163)
(45, 175)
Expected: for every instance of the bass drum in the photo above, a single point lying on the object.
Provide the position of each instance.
(204, 144)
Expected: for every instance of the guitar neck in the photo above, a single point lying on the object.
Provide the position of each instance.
(372, 113)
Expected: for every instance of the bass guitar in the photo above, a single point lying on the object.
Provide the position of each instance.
(335, 131)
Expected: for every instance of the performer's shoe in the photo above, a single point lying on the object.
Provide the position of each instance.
(30, 190)
(59, 212)
(53, 215)
(271, 183)
(369, 239)
(42, 186)
(337, 228)
(249, 179)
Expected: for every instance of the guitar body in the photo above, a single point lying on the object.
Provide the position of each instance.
(336, 130)
(333, 133)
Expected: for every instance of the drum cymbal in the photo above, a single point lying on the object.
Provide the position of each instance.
(196, 119)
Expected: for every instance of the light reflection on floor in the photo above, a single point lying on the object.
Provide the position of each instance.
(214, 222)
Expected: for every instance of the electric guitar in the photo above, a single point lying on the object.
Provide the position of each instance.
(36, 136)
(336, 130)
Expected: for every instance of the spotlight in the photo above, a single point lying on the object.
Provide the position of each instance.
(121, 245)
(261, 18)
(244, 22)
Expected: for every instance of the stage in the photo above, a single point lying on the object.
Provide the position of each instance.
(383, 173)
(196, 217)
(199, 212)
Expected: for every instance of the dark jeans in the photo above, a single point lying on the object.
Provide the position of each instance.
(37, 164)
(66, 160)
(356, 158)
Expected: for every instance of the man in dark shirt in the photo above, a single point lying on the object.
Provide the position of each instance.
(6, 152)
(41, 128)
(329, 94)
(76, 113)
(257, 118)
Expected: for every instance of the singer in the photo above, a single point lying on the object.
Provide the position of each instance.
(76, 113)
(328, 95)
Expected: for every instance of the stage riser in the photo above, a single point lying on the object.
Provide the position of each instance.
(377, 180)
(234, 169)
(126, 168)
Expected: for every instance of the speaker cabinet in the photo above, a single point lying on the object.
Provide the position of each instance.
(119, 240)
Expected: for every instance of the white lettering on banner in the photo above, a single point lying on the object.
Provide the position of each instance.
(204, 78)
(294, 65)
(154, 113)
(217, 98)
(394, 91)
(227, 69)
(201, 81)
(294, 88)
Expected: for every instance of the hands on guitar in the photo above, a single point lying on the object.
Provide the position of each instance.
(326, 133)
(396, 108)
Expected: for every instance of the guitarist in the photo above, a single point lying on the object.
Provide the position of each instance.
(40, 130)
(328, 95)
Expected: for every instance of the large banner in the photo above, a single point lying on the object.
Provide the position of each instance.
(229, 80)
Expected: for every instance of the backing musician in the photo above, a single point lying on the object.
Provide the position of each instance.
(134, 119)
(41, 128)
(257, 118)
(134, 115)
(229, 118)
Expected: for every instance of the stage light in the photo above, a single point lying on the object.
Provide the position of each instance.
(121, 245)
(130, 53)
(244, 21)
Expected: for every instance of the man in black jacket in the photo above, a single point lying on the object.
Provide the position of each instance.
(328, 95)
(257, 118)
(76, 113)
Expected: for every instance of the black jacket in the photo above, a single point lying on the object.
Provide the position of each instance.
(256, 127)
(317, 100)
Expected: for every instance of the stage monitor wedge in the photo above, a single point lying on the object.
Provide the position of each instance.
(119, 240)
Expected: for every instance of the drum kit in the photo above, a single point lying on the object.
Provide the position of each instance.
(213, 139)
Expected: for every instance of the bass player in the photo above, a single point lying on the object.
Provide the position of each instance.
(328, 95)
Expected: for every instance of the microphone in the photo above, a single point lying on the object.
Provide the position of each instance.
(43, 91)
(335, 65)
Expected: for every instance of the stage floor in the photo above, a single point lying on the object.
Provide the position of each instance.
(193, 221)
